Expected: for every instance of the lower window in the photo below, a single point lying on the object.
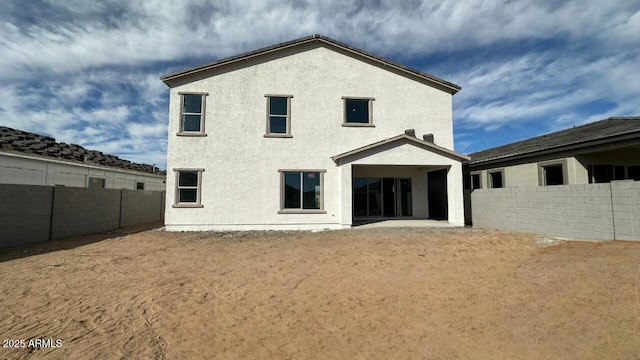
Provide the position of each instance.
(553, 174)
(302, 191)
(475, 181)
(495, 180)
(608, 173)
(188, 187)
(96, 183)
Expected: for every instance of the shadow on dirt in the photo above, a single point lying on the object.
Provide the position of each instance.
(23, 251)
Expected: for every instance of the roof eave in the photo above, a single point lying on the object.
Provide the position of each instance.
(447, 86)
(559, 148)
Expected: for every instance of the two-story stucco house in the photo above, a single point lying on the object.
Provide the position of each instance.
(309, 134)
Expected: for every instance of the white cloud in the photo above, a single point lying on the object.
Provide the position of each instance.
(87, 72)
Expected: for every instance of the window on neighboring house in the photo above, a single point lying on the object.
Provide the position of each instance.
(278, 115)
(192, 113)
(139, 185)
(475, 181)
(495, 179)
(601, 173)
(302, 191)
(608, 173)
(357, 111)
(552, 174)
(188, 187)
(633, 172)
(96, 183)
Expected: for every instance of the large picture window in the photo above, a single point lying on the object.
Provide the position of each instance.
(188, 187)
(358, 111)
(278, 115)
(192, 113)
(302, 191)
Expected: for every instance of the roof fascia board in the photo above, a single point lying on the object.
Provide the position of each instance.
(450, 89)
(442, 84)
(234, 60)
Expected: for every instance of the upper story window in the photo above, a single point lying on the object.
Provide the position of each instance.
(278, 115)
(192, 113)
(358, 111)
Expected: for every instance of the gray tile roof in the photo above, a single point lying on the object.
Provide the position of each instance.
(17, 141)
(609, 129)
(453, 88)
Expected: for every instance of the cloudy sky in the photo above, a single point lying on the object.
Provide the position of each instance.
(86, 72)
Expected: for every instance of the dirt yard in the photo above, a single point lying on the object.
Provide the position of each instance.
(356, 294)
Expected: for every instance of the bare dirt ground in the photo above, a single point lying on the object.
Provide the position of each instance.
(357, 294)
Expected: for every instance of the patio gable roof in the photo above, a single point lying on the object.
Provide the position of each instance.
(403, 138)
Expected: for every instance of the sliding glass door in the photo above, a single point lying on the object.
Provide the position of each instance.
(381, 197)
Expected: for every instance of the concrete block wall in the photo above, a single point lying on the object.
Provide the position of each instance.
(589, 211)
(625, 197)
(34, 213)
(25, 214)
(140, 207)
(81, 211)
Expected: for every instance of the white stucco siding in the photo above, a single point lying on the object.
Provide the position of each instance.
(317, 79)
(241, 183)
(248, 193)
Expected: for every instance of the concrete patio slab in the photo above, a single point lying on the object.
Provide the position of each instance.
(409, 223)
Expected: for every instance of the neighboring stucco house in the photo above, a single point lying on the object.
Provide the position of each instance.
(597, 152)
(30, 159)
(309, 134)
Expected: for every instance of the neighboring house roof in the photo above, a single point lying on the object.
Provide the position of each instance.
(17, 141)
(599, 132)
(450, 87)
(403, 138)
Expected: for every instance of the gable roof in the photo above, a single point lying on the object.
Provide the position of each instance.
(448, 86)
(608, 130)
(403, 137)
(18, 141)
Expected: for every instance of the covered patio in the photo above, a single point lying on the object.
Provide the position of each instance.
(401, 178)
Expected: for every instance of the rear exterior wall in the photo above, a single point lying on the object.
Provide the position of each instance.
(241, 182)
